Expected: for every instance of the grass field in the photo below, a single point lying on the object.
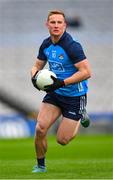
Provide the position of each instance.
(86, 157)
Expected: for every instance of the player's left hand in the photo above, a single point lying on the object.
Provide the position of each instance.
(57, 83)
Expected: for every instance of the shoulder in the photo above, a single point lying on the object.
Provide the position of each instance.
(68, 43)
(46, 42)
(72, 48)
(66, 39)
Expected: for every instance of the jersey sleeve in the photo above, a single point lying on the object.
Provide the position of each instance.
(76, 52)
(41, 54)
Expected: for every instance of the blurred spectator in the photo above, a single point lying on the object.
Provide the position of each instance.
(74, 22)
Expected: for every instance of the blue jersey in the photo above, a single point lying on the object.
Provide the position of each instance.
(61, 58)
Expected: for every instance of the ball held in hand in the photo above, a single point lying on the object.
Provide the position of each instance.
(43, 78)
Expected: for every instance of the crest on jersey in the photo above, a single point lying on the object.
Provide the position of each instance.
(61, 56)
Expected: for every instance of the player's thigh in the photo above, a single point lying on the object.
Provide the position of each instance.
(67, 130)
(48, 114)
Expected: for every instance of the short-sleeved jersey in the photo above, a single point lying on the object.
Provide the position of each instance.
(61, 58)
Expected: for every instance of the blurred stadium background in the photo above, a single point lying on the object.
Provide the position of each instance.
(22, 29)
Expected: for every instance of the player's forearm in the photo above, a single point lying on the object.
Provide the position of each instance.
(34, 70)
(77, 77)
(38, 66)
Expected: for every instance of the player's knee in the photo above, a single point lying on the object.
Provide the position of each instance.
(63, 141)
(40, 130)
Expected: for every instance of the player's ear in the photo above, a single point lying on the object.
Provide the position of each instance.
(46, 24)
(65, 24)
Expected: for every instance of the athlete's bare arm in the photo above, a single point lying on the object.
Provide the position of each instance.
(39, 64)
(84, 72)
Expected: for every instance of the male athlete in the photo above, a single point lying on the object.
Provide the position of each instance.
(67, 96)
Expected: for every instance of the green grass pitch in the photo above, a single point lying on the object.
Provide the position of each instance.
(86, 157)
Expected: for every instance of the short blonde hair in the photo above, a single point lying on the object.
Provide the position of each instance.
(56, 12)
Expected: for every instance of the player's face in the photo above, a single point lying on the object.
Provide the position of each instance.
(56, 25)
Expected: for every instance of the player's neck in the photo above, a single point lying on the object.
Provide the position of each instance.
(55, 39)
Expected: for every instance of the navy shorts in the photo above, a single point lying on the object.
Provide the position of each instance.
(71, 107)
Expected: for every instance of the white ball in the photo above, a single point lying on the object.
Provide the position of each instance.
(43, 78)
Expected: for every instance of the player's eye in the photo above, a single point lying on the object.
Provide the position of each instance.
(52, 22)
(59, 22)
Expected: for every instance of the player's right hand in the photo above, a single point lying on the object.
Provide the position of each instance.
(33, 79)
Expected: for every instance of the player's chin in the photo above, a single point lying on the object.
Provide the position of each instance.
(56, 33)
